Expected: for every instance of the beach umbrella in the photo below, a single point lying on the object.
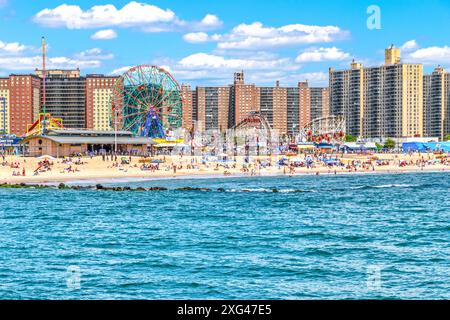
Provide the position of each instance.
(47, 157)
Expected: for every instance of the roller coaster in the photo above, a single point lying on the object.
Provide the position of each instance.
(255, 120)
(329, 129)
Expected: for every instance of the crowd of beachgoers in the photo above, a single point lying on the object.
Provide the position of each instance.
(15, 168)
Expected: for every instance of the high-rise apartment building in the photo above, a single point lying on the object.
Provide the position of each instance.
(434, 103)
(319, 102)
(24, 102)
(245, 98)
(212, 108)
(379, 102)
(304, 104)
(447, 105)
(65, 92)
(4, 105)
(187, 96)
(273, 106)
(99, 89)
(346, 96)
(293, 110)
(393, 101)
(392, 55)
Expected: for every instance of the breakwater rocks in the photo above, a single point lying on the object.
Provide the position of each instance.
(63, 186)
(100, 187)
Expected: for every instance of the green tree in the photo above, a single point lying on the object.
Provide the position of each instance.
(447, 137)
(389, 144)
(350, 138)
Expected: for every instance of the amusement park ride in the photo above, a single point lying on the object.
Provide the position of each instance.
(329, 129)
(45, 121)
(146, 100)
(43, 124)
(257, 120)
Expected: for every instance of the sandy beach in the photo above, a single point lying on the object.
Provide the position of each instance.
(15, 169)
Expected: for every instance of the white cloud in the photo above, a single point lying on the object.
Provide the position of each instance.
(433, 55)
(257, 36)
(166, 68)
(20, 63)
(211, 20)
(12, 47)
(409, 46)
(322, 54)
(214, 69)
(30, 63)
(106, 34)
(314, 78)
(121, 70)
(68, 63)
(209, 61)
(29, 60)
(94, 53)
(15, 56)
(262, 68)
(196, 37)
(430, 56)
(146, 17)
(132, 14)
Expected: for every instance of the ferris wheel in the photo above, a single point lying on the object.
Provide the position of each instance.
(146, 100)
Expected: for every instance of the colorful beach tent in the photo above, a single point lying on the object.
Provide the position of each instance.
(439, 146)
(426, 146)
(323, 145)
(414, 146)
(360, 146)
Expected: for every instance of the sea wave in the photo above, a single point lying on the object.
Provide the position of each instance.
(387, 186)
(274, 190)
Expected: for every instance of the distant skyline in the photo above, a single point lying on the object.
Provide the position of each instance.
(205, 42)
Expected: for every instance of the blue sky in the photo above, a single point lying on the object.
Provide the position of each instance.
(203, 42)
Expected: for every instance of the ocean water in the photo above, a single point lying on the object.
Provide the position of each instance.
(319, 237)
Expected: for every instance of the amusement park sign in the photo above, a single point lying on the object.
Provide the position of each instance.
(6, 141)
